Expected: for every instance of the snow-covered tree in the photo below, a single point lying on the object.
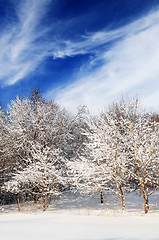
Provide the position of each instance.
(41, 177)
(103, 168)
(39, 126)
(2, 145)
(121, 155)
(2, 135)
(44, 149)
(5, 161)
(143, 153)
(31, 124)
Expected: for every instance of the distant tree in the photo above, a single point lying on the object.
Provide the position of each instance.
(35, 95)
(155, 117)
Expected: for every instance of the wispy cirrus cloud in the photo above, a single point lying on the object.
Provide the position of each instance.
(93, 42)
(21, 45)
(123, 61)
(128, 66)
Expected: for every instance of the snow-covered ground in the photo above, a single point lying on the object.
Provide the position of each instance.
(68, 225)
(75, 218)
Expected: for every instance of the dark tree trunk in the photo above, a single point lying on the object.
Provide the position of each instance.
(17, 199)
(101, 197)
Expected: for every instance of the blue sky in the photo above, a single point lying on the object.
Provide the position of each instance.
(80, 52)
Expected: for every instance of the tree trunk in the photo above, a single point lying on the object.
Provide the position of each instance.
(146, 203)
(44, 199)
(35, 198)
(122, 197)
(25, 196)
(101, 197)
(17, 199)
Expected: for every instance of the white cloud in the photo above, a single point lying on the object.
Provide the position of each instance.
(20, 50)
(128, 57)
(130, 66)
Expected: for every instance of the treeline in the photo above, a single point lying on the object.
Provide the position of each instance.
(45, 150)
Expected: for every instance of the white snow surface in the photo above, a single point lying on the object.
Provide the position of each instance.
(72, 225)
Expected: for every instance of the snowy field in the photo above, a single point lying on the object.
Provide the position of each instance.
(76, 218)
(63, 225)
